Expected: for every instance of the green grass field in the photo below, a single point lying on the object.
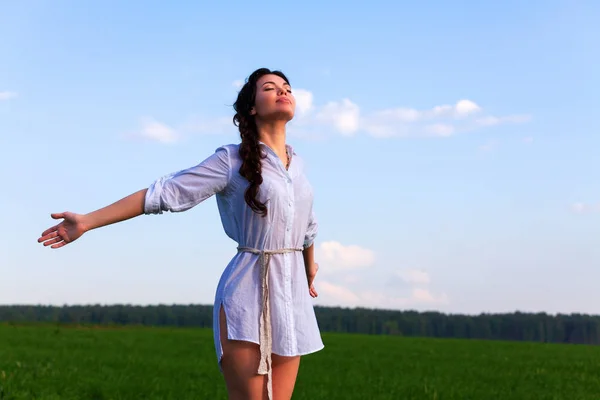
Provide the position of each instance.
(50, 362)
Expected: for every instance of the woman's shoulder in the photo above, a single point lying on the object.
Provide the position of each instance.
(229, 147)
(229, 150)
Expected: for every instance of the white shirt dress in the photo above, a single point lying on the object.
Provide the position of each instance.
(268, 264)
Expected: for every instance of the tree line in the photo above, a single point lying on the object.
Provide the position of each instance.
(538, 327)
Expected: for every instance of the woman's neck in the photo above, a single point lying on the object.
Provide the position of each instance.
(273, 134)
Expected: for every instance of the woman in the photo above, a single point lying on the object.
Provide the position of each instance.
(263, 316)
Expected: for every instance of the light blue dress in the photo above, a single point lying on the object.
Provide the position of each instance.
(289, 227)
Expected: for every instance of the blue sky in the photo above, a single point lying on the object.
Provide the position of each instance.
(452, 147)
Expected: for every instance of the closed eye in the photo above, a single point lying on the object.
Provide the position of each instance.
(270, 88)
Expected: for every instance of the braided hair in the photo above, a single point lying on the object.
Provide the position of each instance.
(249, 149)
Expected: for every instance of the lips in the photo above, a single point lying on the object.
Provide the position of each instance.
(284, 100)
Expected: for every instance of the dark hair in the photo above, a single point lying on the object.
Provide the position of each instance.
(250, 151)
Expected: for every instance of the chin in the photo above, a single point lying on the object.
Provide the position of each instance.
(281, 115)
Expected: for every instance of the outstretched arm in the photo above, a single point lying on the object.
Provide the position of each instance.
(124, 209)
(75, 225)
(175, 192)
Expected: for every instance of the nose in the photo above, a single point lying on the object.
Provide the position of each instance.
(282, 91)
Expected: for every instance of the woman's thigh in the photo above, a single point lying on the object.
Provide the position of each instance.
(240, 364)
(285, 371)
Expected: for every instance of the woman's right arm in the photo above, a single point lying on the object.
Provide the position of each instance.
(75, 225)
(175, 192)
(124, 209)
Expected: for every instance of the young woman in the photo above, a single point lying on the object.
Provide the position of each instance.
(263, 317)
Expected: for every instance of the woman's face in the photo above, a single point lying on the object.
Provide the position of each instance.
(274, 99)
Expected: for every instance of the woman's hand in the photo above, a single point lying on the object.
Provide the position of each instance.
(69, 230)
(311, 272)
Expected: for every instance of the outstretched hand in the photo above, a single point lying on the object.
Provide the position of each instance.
(311, 272)
(69, 230)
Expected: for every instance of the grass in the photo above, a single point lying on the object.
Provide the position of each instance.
(124, 363)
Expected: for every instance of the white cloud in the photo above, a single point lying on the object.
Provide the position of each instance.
(334, 255)
(399, 114)
(237, 84)
(466, 107)
(584, 208)
(210, 126)
(157, 131)
(414, 276)
(336, 295)
(7, 95)
(438, 121)
(491, 120)
(420, 295)
(528, 139)
(344, 116)
(154, 130)
(304, 101)
(440, 129)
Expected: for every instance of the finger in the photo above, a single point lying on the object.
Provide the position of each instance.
(58, 215)
(58, 245)
(47, 231)
(48, 236)
(53, 241)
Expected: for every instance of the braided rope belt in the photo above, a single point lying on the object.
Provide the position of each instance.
(266, 341)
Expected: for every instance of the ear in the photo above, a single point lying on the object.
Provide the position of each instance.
(252, 111)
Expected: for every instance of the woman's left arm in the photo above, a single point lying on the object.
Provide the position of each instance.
(311, 268)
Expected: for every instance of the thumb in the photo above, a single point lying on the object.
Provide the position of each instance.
(57, 215)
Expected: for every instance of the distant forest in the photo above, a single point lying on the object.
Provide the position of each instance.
(538, 327)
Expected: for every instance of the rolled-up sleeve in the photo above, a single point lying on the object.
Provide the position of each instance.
(182, 190)
(311, 230)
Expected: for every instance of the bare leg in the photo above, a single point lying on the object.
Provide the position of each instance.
(285, 371)
(240, 364)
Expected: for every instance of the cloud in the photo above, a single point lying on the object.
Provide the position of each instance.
(156, 131)
(7, 95)
(420, 295)
(348, 277)
(585, 208)
(304, 101)
(466, 107)
(336, 295)
(334, 255)
(344, 116)
(414, 276)
(210, 126)
(491, 120)
(440, 129)
(339, 294)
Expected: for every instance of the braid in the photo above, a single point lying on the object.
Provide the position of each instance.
(251, 168)
(250, 151)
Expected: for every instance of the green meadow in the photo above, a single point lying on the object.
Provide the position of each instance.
(53, 362)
